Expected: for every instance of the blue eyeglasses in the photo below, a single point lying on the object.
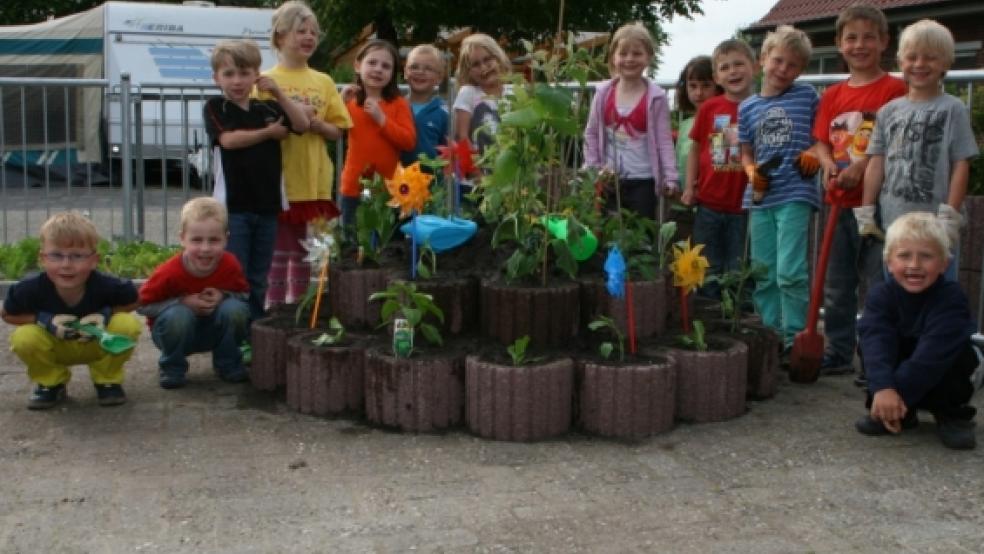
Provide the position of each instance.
(58, 257)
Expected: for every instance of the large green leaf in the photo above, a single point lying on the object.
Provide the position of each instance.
(507, 230)
(506, 168)
(557, 101)
(524, 118)
(565, 260)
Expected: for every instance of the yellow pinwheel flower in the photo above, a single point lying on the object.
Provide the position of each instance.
(688, 266)
(409, 188)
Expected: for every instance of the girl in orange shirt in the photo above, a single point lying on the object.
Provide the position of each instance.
(382, 124)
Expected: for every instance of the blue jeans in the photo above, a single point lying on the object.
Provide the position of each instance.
(853, 261)
(252, 237)
(779, 242)
(723, 237)
(178, 333)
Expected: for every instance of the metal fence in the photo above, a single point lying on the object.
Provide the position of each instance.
(153, 153)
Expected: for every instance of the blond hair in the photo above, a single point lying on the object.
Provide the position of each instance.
(862, 12)
(732, 45)
(243, 53)
(428, 50)
(627, 33)
(929, 36)
(790, 38)
(289, 16)
(69, 229)
(202, 208)
(916, 226)
(479, 40)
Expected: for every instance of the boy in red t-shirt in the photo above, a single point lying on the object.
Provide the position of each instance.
(844, 123)
(715, 179)
(196, 301)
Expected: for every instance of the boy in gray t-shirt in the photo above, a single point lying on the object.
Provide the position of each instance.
(922, 144)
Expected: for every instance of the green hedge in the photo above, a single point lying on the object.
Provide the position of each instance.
(130, 260)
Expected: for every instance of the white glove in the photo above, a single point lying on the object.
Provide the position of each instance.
(865, 216)
(951, 220)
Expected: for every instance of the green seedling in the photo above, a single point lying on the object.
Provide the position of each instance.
(334, 335)
(607, 348)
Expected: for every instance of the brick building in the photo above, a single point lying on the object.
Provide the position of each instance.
(817, 17)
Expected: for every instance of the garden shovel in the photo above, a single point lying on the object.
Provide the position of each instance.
(808, 346)
(111, 343)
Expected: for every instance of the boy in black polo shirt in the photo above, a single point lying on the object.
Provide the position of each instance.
(246, 135)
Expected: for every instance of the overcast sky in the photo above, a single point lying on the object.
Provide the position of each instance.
(689, 38)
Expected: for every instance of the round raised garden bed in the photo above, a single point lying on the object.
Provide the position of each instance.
(649, 303)
(348, 292)
(710, 385)
(418, 394)
(550, 315)
(629, 400)
(325, 380)
(519, 403)
(457, 297)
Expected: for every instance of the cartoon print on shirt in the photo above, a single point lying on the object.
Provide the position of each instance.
(913, 152)
(862, 136)
(723, 143)
(776, 129)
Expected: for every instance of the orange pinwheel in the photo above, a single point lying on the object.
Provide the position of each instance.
(409, 188)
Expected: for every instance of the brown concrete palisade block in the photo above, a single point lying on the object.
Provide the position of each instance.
(414, 394)
(972, 234)
(325, 380)
(649, 306)
(549, 315)
(457, 297)
(711, 385)
(268, 337)
(763, 360)
(630, 401)
(519, 403)
(348, 292)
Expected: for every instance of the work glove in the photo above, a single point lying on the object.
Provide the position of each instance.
(758, 176)
(865, 216)
(951, 220)
(759, 181)
(99, 320)
(57, 325)
(807, 164)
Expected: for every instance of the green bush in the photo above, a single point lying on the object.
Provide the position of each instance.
(130, 260)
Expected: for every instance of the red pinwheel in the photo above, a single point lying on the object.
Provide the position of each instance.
(458, 153)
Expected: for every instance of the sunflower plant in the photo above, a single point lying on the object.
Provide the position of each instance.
(376, 221)
(689, 269)
(541, 123)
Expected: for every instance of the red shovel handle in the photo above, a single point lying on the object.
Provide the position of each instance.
(817, 293)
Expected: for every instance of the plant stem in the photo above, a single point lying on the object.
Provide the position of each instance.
(684, 310)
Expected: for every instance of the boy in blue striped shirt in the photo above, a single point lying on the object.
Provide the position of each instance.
(774, 128)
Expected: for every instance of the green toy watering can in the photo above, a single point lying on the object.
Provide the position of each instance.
(583, 249)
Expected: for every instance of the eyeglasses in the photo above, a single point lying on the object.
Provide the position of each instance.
(419, 68)
(58, 257)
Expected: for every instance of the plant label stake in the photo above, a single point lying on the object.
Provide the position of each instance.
(402, 338)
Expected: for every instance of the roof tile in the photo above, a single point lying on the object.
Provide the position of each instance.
(797, 11)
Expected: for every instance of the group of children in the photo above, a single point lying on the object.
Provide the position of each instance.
(746, 160)
(894, 153)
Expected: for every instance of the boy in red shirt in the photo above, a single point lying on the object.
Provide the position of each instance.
(196, 301)
(844, 123)
(715, 179)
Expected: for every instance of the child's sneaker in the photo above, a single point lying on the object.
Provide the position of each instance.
(110, 394)
(835, 365)
(866, 425)
(234, 376)
(958, 434)
(46, 397)
(171, 381)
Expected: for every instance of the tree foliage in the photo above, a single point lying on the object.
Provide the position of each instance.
(421, 20)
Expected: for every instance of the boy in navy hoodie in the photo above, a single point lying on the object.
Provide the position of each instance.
(424, 72)
(915, 338)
